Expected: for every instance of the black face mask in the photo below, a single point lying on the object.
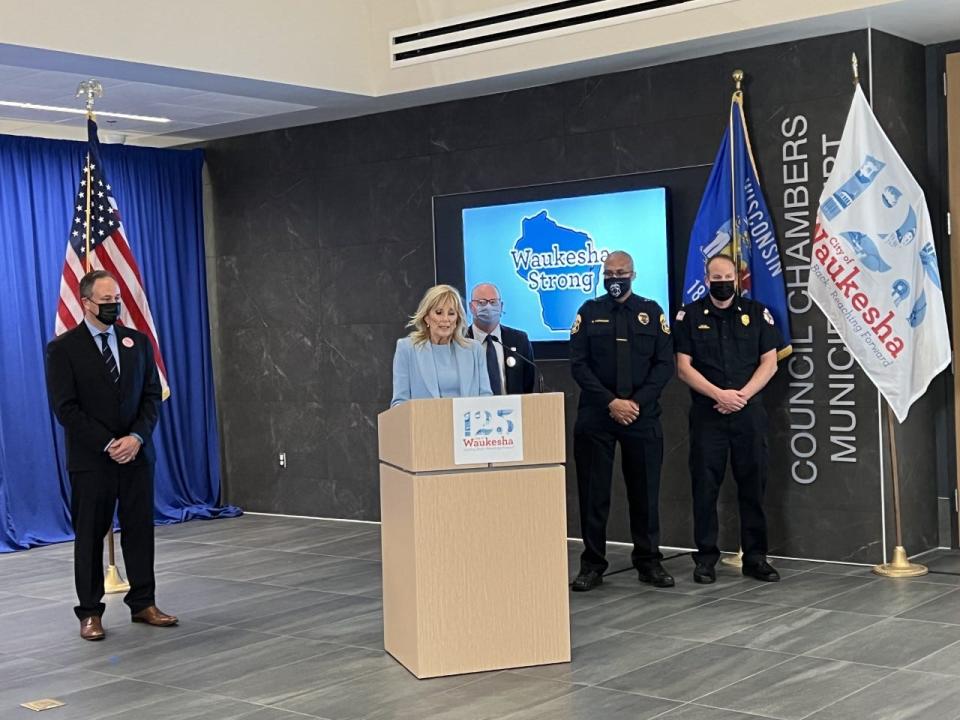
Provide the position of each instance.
(108, 313)
(617, 287)
(721, 290)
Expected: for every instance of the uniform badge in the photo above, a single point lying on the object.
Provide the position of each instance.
(745, 319)
(767, 316)
(576, 326)
(127, 342)
(643, 318)
(703, 327)
(681, 314)
(663, 324)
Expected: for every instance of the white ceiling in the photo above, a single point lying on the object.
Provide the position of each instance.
(205, 106)
(188, 109)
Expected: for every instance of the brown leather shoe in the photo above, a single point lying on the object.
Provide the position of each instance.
(92, 629)
(153, 616)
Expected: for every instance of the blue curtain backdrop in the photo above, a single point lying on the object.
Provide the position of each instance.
(159, 193)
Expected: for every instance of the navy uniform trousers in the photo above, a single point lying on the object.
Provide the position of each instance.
(641, 449)
(743, 437)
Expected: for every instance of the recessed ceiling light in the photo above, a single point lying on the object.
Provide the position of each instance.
(81, 111)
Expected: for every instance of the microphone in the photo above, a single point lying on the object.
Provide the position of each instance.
(528, 361)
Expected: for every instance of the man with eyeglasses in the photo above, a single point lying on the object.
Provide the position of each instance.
(621, 356)
(509, 352)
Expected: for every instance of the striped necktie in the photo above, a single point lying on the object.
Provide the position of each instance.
(108, 359)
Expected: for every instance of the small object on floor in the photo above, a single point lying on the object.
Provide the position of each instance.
(153, 616)
(91, 628)
(704, 574)
(761, 571)
(587, 580)
(655, 575)
(40, 705)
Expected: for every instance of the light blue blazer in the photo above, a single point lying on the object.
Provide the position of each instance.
(415, 376)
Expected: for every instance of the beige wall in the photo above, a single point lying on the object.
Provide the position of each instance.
(343, 44)
(311, 43)
(666, 30)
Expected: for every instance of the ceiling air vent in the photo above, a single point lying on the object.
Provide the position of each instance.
(523, 23)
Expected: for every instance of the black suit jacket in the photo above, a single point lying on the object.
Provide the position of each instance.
(522, 377)
(91, 407)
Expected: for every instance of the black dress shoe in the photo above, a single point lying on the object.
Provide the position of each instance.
(655, 575)
(704, 574)
(761, 571)
(587, 580)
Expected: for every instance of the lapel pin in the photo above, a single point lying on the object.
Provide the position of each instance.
(128, 342)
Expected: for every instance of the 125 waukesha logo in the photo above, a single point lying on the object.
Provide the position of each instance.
(486, 429)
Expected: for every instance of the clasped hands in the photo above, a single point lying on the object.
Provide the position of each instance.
(624, 411)
(730, 401)
(124, 449)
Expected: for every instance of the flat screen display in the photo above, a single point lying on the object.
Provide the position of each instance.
(546, 256)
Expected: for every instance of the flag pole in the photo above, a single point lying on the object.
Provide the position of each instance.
(900, 565)
(734, 231)
(734, 560)
(86, 253)
(91, 90)
(113, 581)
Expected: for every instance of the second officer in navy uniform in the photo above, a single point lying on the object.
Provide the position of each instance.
(621, 356)
(727, 352)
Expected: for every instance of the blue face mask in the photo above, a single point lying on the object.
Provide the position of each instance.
(488, 314)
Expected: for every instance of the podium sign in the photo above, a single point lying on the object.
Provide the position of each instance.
(487, 430)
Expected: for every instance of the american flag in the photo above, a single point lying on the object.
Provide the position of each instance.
(109, 250)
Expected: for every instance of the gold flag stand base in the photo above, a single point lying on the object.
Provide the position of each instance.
(900, 566)
(113, 581)
(733, 560)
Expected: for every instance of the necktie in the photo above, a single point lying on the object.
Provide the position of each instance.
(493, 366)
(108, 358)
(624, 369)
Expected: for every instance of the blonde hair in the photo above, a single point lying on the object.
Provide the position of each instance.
(434, 297)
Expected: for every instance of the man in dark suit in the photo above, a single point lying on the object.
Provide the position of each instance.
(104, 388)
(509, 352)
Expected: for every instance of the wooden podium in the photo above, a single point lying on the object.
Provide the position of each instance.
(474, 556)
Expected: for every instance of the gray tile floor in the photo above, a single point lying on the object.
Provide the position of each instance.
(281, 619)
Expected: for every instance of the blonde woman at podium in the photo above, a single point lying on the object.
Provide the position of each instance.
(437, 360)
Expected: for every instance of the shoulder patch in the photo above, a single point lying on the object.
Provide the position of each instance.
(576, 325)
(767, 316)
(663, 324)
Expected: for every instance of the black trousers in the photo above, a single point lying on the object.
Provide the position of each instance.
(641, 448)
(743, 436)
(94, 495)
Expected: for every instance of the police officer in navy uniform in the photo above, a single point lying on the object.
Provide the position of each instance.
(727, 352)
(621, 357)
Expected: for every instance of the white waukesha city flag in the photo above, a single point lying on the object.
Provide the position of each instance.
(873, 266)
